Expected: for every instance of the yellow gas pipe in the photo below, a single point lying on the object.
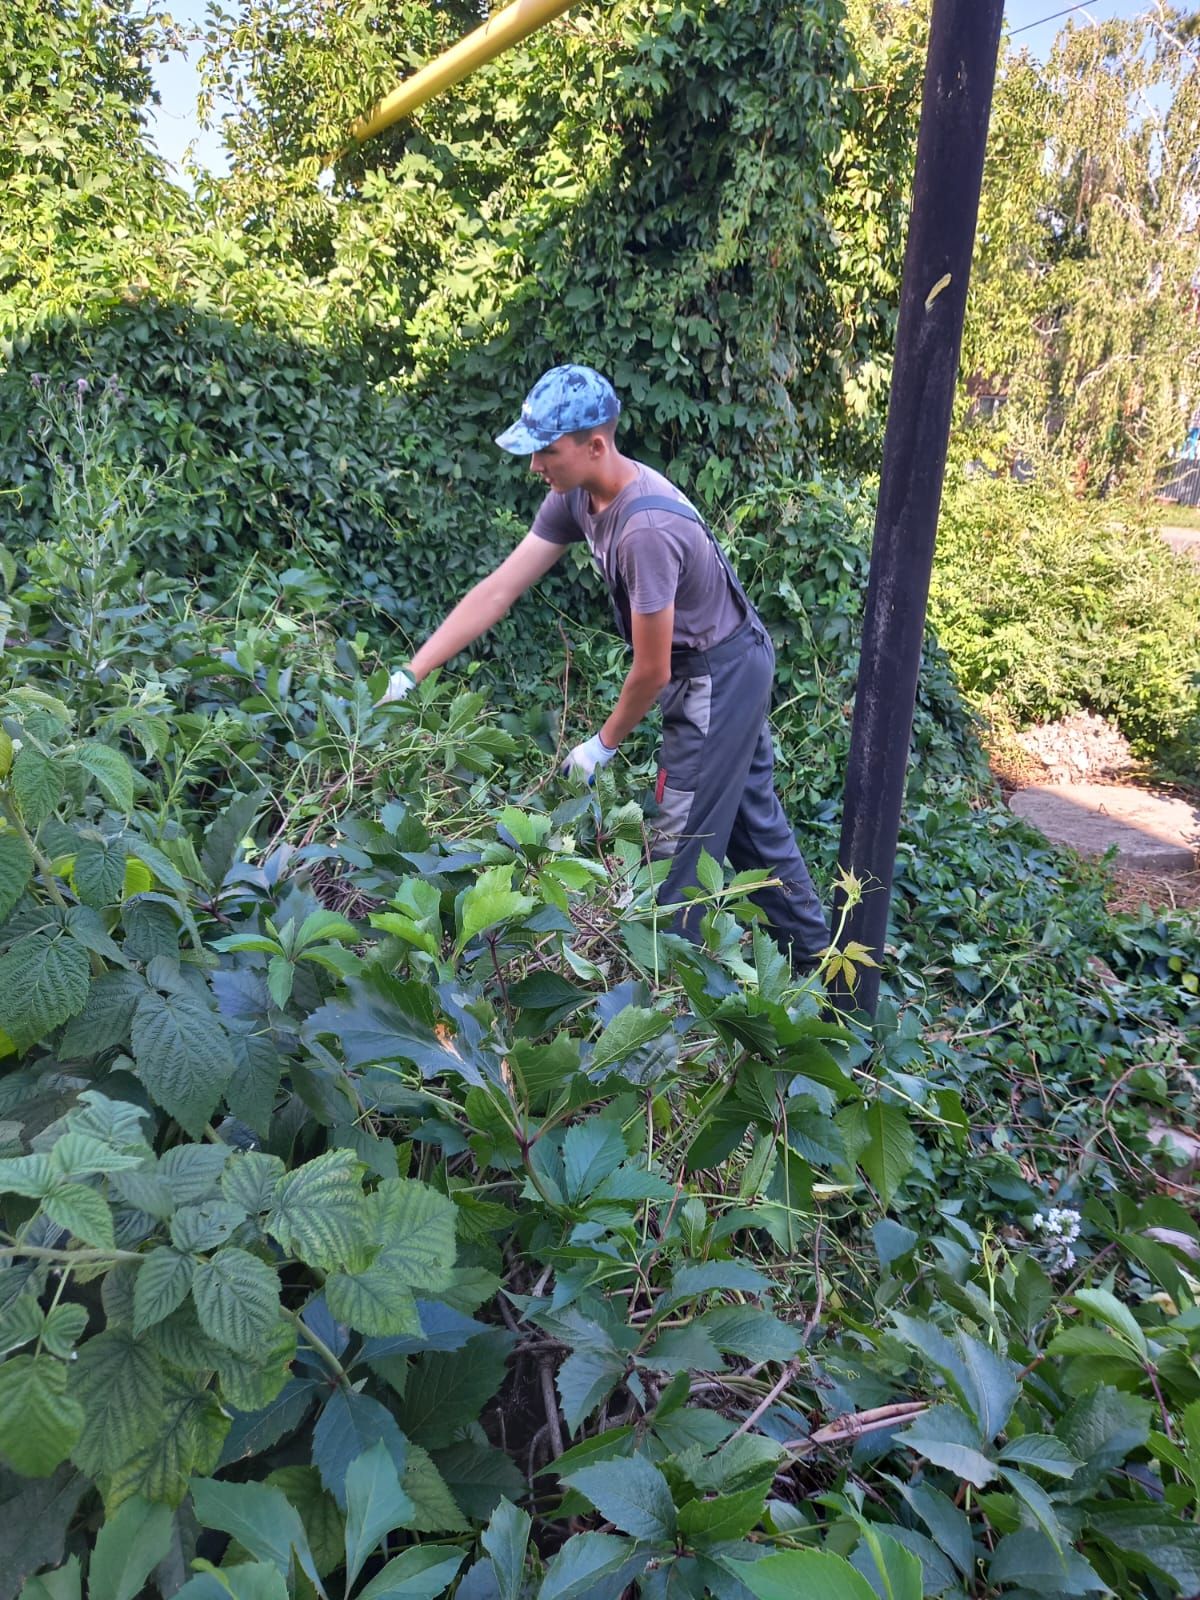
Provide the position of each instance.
(507, 27)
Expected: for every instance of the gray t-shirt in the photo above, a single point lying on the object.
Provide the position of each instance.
(662, 558)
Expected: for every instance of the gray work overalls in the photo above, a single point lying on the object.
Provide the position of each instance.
(715, 788)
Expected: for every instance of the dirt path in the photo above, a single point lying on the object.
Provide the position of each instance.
(1157, 834)
(1184, 541)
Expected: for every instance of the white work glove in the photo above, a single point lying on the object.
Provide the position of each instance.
(400, 683)
(587, 758)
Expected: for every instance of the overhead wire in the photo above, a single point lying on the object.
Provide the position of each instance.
(1053, 17)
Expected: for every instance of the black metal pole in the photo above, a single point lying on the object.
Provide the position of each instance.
(959, 75)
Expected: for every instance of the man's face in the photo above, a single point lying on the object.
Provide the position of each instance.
(566, 464)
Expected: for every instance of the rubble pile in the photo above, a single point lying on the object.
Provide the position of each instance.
(1078, 748)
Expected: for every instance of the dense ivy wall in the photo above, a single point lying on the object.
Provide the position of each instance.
(319, 369)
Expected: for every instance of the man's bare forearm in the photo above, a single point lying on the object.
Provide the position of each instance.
(478, 610)
(638, 694)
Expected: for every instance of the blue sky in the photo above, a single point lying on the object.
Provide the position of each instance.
(175, 125)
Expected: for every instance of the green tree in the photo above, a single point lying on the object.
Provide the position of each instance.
(650, 189)
(1083, 300)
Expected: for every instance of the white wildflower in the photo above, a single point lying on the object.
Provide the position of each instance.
(1060, 1227)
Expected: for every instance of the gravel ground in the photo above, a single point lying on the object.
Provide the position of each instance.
(1080, 748)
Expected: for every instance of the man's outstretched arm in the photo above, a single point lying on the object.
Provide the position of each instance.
(483, 606)
(647, 677)
(644, 682)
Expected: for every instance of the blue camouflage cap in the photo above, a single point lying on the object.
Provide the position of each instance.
(563, 400)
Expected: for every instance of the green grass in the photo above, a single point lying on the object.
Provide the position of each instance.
(1171, 516)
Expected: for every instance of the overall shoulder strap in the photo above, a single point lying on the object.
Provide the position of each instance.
(657, 502)
(681, 508)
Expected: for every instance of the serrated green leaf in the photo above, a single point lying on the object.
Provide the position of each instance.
(318, 1512)
(224, 836)
(802, 1572)
(421, 1573)
(181, 1342)
(78, 1154)
(414, 1227)
(323, 925)
(434, 1507)
(98, 872)
(205, 1225)
(21, 1322)
(128, 1547)
(709, 874)
(112, 772)
(627, 1033)
(250, 1179)
(33, 1528)
(43, 981)
(703, 1523)
(1038, 1503)
(490, 901)
(372, 1301)
(887, 1156)
(690, 1282)
(386, 1020)
(506, 1539)
(478, 1476)
(118, 1380)
(27, 1175)
(86, 926)
(320, 1213)
(448, 1389)
(106, 1017)
(36, 785)
(254, 1085)
(992, 1383)
(1109, 1310)
(82, 1211)
(194, 1171)
(237, 1299)
(752, 1333)
(191, 1430)
(583, 1562)
(248, 1580)
(888, 1565)
(686, 1349)
(162, 1283)
(63, 1329)
(16, 869)
(1043, 1451)
(584, 1379)
(349, 1424)
(631, 1494)
(183, 1056)
(949, 1526)
(281, 975)
(1152, 1539)
(1028, 1560)
(592, 1149)
(376, 1504)
(947, 1437)
(250, 1383)
(39, 1421)
(259, 1516)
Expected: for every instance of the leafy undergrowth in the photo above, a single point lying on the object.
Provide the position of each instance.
(391, 1209)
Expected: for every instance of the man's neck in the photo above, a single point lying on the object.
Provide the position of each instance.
(616, 474)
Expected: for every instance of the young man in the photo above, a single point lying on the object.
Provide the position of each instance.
(699, 648)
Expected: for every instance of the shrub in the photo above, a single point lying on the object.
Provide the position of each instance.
(372, 1166)
(1047, 605)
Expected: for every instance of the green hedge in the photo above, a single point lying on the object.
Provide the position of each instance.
(1047, 604)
